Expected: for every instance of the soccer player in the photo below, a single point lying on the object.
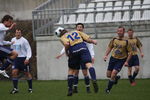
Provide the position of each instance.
(80, 27)
(21, 63)
(77, 52)
(134, 61)
(121, 53)
(7, 24)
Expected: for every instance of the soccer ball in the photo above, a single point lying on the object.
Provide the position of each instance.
(58, 31)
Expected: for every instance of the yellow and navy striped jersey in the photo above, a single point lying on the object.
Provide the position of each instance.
(74, 37)
(120, 48)
(135, 44)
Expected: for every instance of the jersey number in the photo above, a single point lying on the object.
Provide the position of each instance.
(73, 36)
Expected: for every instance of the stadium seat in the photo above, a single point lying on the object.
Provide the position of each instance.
(117, 17)
(126, 5)
(136, 16)
(90, 18)
(63, 19)
(146, 2)
(109, 6)
(100, 6)
(118, 5)
(146, 15)
(136, 4)
(99, 17)
(90, 7)
(108, 17)
(126, 16)
(81, 18)
(81, 8)
(71, 19)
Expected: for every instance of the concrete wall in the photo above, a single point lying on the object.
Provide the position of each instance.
(49, 68)
(19, 9)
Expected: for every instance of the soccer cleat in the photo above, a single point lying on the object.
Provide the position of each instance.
(107, 91)
(2, 72)
(88, 90)
(75, 90)
(14, 91)
(133, 83)
(69, 93)
(30, 90)
(95, 85)
(116, 79)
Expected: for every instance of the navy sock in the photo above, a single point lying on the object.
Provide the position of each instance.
(134, 75)
(130, 78)
(29, 83)
(110, 84)
(70, 82)
(15, 82)
(92, 73)
(6, 64)
(75, 83)
(87, 81)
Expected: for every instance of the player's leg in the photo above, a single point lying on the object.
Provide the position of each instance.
(86, 79)
(75, 83)
(14, 80)
(12, 55)
(29, 81)
(130, 74)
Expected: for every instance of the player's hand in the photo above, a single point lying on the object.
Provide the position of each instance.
(12, 42)
(105, 58)
(94, 42)
(142, 55)
(26, 62)
(126, 64)
(57, 57)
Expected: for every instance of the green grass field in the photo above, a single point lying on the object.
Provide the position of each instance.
(57, 90)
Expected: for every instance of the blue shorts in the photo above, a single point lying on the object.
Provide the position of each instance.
(116, 64)
(78, 54)
(82, 66)
(5, 51)
(19, 64)
(134, 61)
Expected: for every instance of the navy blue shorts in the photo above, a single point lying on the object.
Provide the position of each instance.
(79, 54)
(134, 61)
(82, 67)
(116, 64)
(19, 64)
(5, 51)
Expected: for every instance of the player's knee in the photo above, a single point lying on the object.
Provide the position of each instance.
(14, 54)
(14, 73)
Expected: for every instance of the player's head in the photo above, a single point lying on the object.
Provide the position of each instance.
(7, 20)
(130, 32)
(60, 31)
(79, 27)
(121, 31)
(18, 33)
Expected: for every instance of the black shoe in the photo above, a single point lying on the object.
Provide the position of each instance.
(116, 80)
(14, 91)
(75, 90)
(88, 90)
(95, 86)
(30, 90)
(69, 93)
(107, 91)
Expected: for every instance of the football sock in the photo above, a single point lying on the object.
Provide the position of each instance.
(30, 83)
(15, 82)
(92, 73)
(70, 82)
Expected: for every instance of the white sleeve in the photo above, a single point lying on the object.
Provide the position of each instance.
(6, 43)
(3, 28)
(28, 49)
(91, 49)
(62, 51)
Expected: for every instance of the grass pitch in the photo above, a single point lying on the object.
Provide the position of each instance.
(57, 90)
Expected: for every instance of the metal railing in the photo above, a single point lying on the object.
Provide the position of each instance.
(45, 19)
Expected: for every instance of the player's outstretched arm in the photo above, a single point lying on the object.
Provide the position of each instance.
(107, 53)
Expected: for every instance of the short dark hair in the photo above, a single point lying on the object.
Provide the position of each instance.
(122, 27)
(80, 24)
(6, 18)
(130, 29)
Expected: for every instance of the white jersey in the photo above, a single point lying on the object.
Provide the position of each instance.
(22, 47)
(89, 46)
(3, 30)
